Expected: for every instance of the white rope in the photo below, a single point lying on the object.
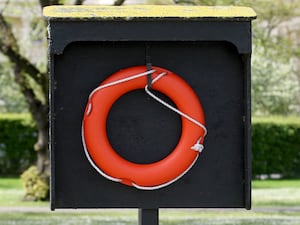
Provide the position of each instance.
(197, 146)
(159, 76)
(92, 162)
(171, 107)
(122, 81)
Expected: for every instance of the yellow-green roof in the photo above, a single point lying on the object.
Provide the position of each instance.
(148, 11)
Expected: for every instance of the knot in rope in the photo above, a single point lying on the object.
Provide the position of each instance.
(198, 147)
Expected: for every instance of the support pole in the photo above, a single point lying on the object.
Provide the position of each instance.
(148, 216)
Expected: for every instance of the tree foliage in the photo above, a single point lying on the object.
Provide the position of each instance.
(276, 85)
(276, 54)
(11, 99)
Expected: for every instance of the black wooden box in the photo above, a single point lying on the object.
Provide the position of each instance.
(209, 47)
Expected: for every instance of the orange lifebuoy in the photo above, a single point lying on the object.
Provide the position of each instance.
(143, 176)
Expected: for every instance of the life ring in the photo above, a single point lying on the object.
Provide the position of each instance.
(142, 176)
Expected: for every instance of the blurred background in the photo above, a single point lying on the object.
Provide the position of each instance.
(24, 158)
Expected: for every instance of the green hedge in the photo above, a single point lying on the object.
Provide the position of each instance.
(276, 146)
(17, 137)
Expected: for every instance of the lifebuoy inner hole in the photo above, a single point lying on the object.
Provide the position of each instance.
(140, 129)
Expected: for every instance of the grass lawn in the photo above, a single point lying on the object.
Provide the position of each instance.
(274, 203)
(276, 193)
(167, 217)
(11, 193)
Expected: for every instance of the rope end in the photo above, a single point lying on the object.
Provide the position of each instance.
(198, 147)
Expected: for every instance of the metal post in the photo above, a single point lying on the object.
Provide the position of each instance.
(148, 216)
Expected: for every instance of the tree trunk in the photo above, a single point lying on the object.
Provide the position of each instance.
(119, 2)
(41, 146)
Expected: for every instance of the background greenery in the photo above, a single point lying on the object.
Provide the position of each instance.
(276, 146)
(17, 137)
(10, 98)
